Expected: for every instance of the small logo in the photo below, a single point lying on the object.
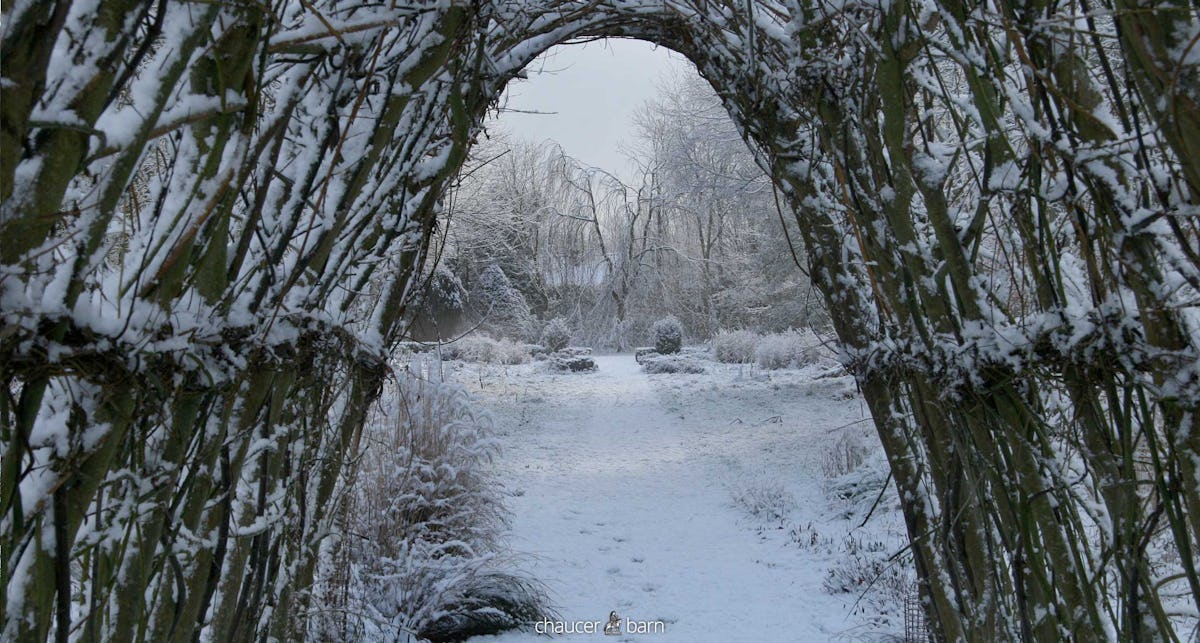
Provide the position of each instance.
(613, 628)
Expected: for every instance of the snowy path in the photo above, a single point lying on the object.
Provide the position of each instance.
(621, 487)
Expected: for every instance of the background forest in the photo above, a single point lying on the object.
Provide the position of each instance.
(531, 235)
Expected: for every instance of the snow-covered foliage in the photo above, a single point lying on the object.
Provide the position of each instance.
(869, 572)
(213, 216)
(865, 564)
(556, 335)
(419, 548)
(676, 363)
(485, 350)
(668, 336)
(572, 362)
(790, 349)
(735, 346)
(765, 501)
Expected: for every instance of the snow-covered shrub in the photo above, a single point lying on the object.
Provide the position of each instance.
(573, 362)
(655, 364)
(420, 550)
(791, 349)
(502, 308)
(735, 346)
(472, 348)
(485, 350)
(556, 335)
(509, 352)
(576, 350)
(668, 336)
(438, 308)
(782, 350)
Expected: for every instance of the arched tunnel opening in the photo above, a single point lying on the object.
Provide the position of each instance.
(726, 471)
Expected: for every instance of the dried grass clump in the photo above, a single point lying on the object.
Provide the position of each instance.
(765, 501)
(735, 346)
(420, 551)
(790, 349)
(844, 455)
(880, 579)
(485, 350)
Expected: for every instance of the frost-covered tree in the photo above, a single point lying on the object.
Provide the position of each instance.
(211, 219)
(501, 308)
(439, 307)
(580, 249)
(724, 256)
(557, 334)
(698, 234)
(500, 213)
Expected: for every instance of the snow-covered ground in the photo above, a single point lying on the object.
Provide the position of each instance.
(694, 501)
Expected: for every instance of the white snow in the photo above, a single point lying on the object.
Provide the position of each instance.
(621, 486)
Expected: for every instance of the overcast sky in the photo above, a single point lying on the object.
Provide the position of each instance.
(592, 91)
